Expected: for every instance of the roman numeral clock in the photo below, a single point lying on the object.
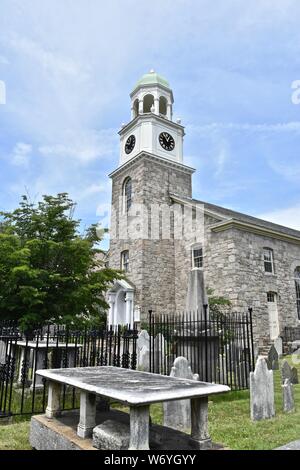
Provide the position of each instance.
(152, 128)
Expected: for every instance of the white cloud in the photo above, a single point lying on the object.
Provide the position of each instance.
(83, 145)
(289, 217)
(53, 62)
(293, 126)
(21, 154)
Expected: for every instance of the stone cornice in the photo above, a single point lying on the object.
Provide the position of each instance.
(150, 156)
(256, 229)
(150, 116)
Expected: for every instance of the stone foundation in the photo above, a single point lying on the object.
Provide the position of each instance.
(60, 433)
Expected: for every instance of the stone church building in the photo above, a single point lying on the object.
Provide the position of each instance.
(159, 233)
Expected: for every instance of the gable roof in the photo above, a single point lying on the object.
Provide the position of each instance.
(227, 215)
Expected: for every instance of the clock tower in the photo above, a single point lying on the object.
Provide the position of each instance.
(151, 128)
(142, 239)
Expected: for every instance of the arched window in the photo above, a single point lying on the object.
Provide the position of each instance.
(127, 195)
(125, 261)
(136, 108)
(163, 106)
(297, 286)
(148, 103)
(268, 260)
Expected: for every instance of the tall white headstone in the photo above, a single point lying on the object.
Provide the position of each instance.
(262, 404)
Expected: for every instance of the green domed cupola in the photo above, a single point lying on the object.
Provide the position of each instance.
(152, 78)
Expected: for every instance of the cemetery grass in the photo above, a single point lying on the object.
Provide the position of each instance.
(229, 423)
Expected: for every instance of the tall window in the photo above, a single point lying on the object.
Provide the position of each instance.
(127, 194)
(198, 257)
(268, 260)
(125, 261)
(297, 285)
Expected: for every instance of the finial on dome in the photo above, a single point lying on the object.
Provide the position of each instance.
(152, 71)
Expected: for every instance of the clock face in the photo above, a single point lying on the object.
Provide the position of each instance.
(130, 143)
(166, 141)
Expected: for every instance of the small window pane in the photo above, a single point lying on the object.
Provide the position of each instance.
(271, 297)
(198, 258)
(125, 261)
(268, 260)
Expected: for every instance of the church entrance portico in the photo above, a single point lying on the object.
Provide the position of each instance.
(120, 300)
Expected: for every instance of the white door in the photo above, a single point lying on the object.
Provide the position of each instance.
(273, 315)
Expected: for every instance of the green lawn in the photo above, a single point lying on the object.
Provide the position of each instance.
(229, 423)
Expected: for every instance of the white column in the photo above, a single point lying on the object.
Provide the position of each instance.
(111, 313)
(199, 423)
(139, 428)
(169, 111)
(87, 415)
(140, 106)
(129, 309)
(156, 106)
(53, 408)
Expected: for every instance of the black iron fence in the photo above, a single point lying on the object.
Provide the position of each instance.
(23, 392)
(218, 347)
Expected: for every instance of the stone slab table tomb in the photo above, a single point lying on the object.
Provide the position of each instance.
(135, 389)
(39, 350)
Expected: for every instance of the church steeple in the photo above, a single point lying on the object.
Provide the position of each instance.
(151, 128)
(152, 93)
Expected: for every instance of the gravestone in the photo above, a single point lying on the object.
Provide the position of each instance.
(262, 404)
(177, 414)
(143, 351)
(286, 371)
(278, 345)
(272, 361)
(294, 376)
(288, 396)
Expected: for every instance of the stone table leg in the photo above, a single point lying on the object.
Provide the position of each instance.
(139, 428)
(39, 363)
(53, 408)
(199, 418)
(87, 415)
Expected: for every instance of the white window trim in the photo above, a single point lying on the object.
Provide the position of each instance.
(193, 249)
(270, 250)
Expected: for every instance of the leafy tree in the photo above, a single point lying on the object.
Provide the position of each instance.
(48, 270)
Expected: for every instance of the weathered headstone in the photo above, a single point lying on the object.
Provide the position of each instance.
(273, 363)
(262, 404)
(278, 345)
(143, 351)
(288, 396)
(177, 414)
(294, 376)
(286, 371)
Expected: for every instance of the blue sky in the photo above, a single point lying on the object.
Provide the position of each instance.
(69, 66)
